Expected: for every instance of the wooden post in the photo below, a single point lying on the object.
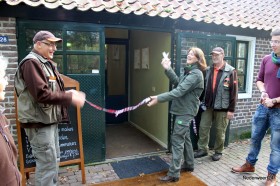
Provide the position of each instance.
(20, 149)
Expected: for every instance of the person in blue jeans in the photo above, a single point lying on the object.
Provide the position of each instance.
(267, 114)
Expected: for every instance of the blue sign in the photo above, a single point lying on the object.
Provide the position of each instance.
(4, 39)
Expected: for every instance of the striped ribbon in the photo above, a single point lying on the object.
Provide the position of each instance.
(117, 112)
(194, 127)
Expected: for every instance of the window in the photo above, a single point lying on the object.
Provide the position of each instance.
(82, 51)
(245, 52)
(239, 52)
(241, 63)
(79, 53)
(187, 40)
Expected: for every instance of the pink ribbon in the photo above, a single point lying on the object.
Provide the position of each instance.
(117, 112)
(194, 127)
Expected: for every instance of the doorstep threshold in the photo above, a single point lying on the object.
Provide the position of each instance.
(158, 153)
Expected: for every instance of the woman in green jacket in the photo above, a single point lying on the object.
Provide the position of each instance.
(185, 104)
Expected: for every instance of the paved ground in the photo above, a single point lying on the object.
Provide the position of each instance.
(212, 173)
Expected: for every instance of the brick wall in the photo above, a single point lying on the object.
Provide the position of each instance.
(9, 50)
(246, 107)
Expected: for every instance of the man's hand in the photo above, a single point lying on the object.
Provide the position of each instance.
(230, 115)
(153, 101)
(264, 95)
(268, 102)
(78, 97)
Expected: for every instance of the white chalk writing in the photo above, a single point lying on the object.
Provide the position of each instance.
(68, 144)
(71, 153)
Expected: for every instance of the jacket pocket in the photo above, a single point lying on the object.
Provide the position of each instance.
(47, 113)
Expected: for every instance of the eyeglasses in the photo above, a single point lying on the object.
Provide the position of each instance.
(49, 44)
(215, 55)
(276, 42)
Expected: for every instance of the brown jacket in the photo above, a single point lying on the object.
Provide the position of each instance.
(9, 173)
(37, 84)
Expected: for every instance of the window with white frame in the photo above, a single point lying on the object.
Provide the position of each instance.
(245, 56)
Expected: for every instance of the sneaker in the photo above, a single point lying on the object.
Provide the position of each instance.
(217, 156)
(270, 180)
(200, 153)
(247, 167)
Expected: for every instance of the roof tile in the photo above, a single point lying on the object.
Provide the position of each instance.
(238, 13)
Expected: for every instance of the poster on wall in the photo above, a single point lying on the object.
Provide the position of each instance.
(145, 58)
(137, 59)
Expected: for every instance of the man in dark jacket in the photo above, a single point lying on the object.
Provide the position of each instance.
(220, 99)
(42, 105)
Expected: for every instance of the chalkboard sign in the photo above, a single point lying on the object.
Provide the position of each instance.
(70, 139)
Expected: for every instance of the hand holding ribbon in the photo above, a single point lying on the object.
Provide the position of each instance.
(153, 101)
(117, 112)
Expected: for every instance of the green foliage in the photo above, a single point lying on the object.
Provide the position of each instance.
(245, 135)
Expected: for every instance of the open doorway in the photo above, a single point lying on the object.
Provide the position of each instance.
(125, 136)
(116, 91)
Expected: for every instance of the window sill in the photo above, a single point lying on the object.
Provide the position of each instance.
(244, 95)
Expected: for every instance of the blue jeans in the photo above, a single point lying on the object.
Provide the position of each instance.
(262, 120)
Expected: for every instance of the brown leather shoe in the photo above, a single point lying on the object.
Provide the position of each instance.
(270, 180)
(169, 179)
(247, 167)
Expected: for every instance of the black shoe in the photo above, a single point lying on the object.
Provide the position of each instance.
(217, 156)
(187, 169)
(200, 153)
(169, 179)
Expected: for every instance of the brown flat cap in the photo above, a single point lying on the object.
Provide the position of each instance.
(217, 50)
(45, 35)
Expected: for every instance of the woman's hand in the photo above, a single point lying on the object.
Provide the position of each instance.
(166, 63)
(153, 101)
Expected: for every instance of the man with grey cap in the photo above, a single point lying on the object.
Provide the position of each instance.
(42, 104)
(220, 99)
